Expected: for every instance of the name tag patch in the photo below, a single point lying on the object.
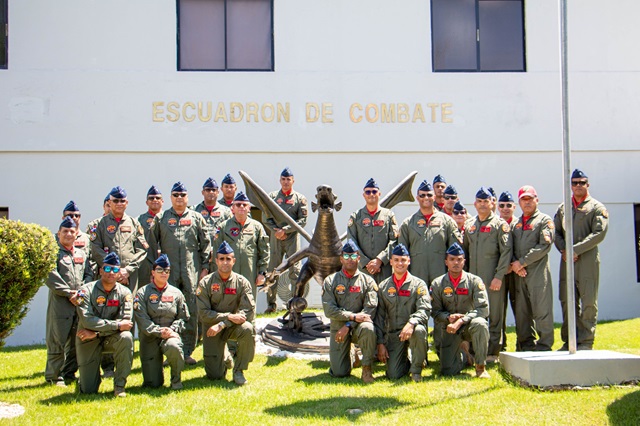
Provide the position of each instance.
(230, 291)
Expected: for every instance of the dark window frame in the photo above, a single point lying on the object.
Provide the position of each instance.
(226, 68)
(478, 53)
(4, 34)
(636, 223)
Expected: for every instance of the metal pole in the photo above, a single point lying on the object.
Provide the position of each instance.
(566, 155)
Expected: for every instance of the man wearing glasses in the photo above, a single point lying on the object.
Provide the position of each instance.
(161, 312)
(590, 223)
(181, 234)
(213, 212)
(460, 216)
(375, 230)
(82, 241)
(104, 322)
(123, 235)
(450, 199)
(506, 208)
(350, 299)
(488, 247)
(154, 204)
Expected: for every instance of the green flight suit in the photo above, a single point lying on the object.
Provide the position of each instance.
(510, 297)
(295, 205)
(590, 224)
(428, 243)
(82, 242)
(343, 297)
(184, 239)
(216, 300)
(214, 217)
(124, 238)
(153, 309)
(144, 271)
(250, 244)
(72, 271)
(101, 312)
(375, 235)
(488, 248)
(396, 307)
(532, 242)
(470, 298)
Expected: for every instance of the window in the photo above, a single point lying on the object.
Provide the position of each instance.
(225, 35)
(4, 212)
(636, 217)
(477, 35)
(4, 33)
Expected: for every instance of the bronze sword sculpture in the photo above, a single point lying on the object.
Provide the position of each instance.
(325, 245)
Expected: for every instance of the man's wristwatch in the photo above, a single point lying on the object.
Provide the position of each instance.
(348, 324)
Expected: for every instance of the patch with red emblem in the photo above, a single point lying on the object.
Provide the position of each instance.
(404, 293)
(340, 289)
(172, 222)
(125, 228)
(78, 260)
(354, 289)
(101, 300)
(448, 292)
(113, 302)
(230, 291)
(149, 220)
(79, 243)
(366, 222)
(215, 287)
(378, 223)
(205, 213)
(462, 291)
(111, 229)
(421, 223)
(392, 292)
(185, 222)
(234, 232)
(153, 298)
(166, 299)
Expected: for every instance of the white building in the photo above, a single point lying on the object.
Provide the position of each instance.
(97, 93)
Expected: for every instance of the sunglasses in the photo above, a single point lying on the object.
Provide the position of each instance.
(579, 183)
(210, 189)
(154, 197)
(371, 191)
(179, 194)
(74, 215)
(505, 205)
(450, 197)
(243, 205)
(118, 200)
(160, 270)
(352, 256)
(461, 213)
(114, 269)
(426, 195)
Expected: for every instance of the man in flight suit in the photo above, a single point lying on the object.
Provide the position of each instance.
(213, 212)
(154, 204)
(506, 208)
(228, 190)
(439, 185)
(82, 241)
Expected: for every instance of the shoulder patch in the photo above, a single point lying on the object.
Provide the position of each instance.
(605, 214)
(550, 224)
(198, 291)
(350, 223)
(505, 227)
(422, 290)
(128, 298)
(481, 286)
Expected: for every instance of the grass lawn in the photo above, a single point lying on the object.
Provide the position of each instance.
(290, 391)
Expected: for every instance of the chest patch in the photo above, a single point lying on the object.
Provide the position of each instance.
(172, 222)
(230, 291)
(113, 302)
(448, 292)
(111, 229)
(354, 289)
(215, 288)
(404, 293)
(125, 228)
(234, 232)
(167, 298)
(101, 300)
(391, 292)
(185, 222)
(153, 298)
(462, 291)
(340, 289)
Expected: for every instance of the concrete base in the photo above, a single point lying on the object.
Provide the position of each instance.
(584, 368)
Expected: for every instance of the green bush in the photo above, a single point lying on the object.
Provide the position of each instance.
(28, 252)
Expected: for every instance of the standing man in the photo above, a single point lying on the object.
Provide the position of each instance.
(212, 211)
(349, 299)
(402, 319)
(439, 185)
(427, 235)
(160, 311)
(506, 208)
(284, 239)
(154, 204)
(590, 223)
(488, 246)
(121, 234)
(227, 309)
(249, 241)
(460, 310)
(532, 239)
(72, 271)
(375, 230)
(105, 320)
(181, 234)
(82, 241)
(450, 199)
(228, 190)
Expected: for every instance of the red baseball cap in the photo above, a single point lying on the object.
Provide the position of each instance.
(527, 191)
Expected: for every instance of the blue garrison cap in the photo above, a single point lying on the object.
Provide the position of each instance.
(112, 259)
(506, 197)
(400, 250)
(483, 193)
(455, 250)
(425, 186)
(153, 191)
(371, 183)
(492, 192)
(178, 187)
(240, 197)
(71, 207)
(578, 174)
(458, 207)
(118, 192)
(68, 222)
(228, 179)
(439, 178)
(350, 247)
(224, 248)
(286, 172)
(450, 190)
(210, 183)
(106, 198)
(162, 261)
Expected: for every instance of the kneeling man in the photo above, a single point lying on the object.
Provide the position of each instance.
(460, 310)
(401, 320)
(349, 299)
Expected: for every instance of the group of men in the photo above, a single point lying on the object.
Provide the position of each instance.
(191, 269)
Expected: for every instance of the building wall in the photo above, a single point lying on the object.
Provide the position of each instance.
(85, 106)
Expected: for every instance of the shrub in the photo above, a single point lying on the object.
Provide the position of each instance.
(28, 252)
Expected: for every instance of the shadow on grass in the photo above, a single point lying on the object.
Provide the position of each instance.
(337, 407)
(319, 364)
(274, 361)
(23, 377)
(626, 410)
